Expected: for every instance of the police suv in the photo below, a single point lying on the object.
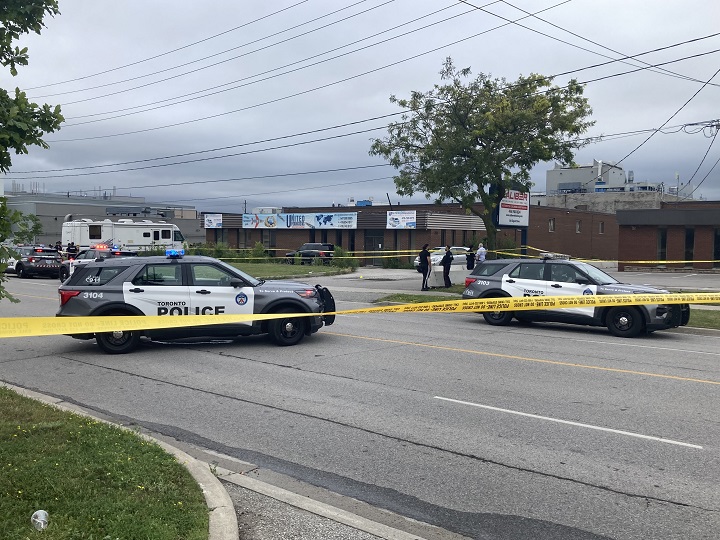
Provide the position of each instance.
(174, 286)
(557, 275)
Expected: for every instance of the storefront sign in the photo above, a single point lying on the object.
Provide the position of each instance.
(514, 209)
(401, 219)
(213, 221)
(340, 220)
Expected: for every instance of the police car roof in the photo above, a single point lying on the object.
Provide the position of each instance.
(155, 259)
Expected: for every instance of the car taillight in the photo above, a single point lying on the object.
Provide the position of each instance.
(67, 295)
(31, 259)
(307, 293)
(469, 281)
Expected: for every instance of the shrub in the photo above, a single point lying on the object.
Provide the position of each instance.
(342, 259)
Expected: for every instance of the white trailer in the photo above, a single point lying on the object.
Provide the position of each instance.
(124, 233)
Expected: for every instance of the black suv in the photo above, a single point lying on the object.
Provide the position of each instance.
(557, 276)
(37, 261)
(307, 253)
(176, 286)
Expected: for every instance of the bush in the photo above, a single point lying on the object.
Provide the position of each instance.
(342, 259)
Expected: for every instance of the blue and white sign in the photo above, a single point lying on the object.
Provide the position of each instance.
(401, 219)
(333, 220)
(213, 221)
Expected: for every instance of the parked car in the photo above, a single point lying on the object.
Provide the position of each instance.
(437, 253)
(307, 253)
(87, 255)
(35, 261)
(554, 275)
(175, 286)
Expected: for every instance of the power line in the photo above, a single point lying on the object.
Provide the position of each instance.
(195, 61)
(668, 72)
(171, 51)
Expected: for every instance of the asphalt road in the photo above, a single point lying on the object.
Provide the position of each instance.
(540, 431)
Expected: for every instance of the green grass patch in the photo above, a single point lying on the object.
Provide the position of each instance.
(704, 318)
(96, 481)
(287, 271)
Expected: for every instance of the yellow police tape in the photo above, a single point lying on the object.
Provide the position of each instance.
(48, 326)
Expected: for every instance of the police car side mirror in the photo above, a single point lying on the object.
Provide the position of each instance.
(237, 283)
(582, 281)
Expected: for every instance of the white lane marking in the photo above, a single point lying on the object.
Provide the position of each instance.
(680, 277)
(577, 424)
(671, 349)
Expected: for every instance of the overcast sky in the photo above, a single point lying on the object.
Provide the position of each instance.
(275, 103)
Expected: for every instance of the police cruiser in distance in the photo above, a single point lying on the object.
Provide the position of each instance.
(557, 275)
(174, 286)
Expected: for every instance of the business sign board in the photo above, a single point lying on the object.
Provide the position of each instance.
(213, 221)
(334, 220)
(514, 210)
(401, 219)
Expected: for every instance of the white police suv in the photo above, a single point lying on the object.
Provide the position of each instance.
(175, 286)
(557, 275)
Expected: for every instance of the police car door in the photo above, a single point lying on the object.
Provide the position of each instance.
(526, 279)
(158, 290)
(564, 281)
(212, 294)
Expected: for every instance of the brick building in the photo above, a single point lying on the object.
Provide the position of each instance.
(678, 235)
(580, 233)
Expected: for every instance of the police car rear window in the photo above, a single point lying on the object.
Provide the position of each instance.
(98, 276)
(489, 268)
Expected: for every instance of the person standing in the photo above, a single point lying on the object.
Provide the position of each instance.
(480, 255)
(447, 264)
(470, 258)
(425, 265)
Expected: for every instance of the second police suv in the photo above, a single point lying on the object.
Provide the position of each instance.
(176, 285)
(556, 275)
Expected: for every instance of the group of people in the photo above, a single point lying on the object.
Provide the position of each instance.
(425, 263)
(71, 250)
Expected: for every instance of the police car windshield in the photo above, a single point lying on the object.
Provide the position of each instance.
(597, 275)
(247, 277)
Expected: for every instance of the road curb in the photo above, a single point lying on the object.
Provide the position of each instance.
(315, 507)
(222, 517)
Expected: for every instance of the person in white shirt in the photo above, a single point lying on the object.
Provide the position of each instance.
(480, 255)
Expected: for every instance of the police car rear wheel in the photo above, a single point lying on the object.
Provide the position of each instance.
(119, 341)
(498, 318)
(287, 331)
(624, 321)
(21, 273)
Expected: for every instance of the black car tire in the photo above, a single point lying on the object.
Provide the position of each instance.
(120, 342)
(21, 272)
(624, 321)
(64, 274)
(286, 331)
(498, 318)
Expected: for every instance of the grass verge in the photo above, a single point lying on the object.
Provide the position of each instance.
(96, 481)
(287, 271)
(699, 318)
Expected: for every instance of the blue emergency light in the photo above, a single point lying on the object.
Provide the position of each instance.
(172, 253)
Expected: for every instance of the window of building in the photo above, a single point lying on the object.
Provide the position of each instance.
(716, 249)
(689, 244)
(601, 227)
(662, 244)
(578, 225)
(551, 225)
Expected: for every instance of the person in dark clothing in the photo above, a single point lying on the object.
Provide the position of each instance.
(446, 263)
(71, 250)
(470, 258)
(425, 265)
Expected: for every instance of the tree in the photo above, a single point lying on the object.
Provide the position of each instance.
(471, 142)
(22, 123)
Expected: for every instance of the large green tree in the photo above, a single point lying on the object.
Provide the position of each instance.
(22, 123)
(469, 142)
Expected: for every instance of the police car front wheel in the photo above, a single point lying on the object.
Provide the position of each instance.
(287, 331)
(625, 321)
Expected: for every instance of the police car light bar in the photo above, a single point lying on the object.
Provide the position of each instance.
(549, 255)
(174, 253)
